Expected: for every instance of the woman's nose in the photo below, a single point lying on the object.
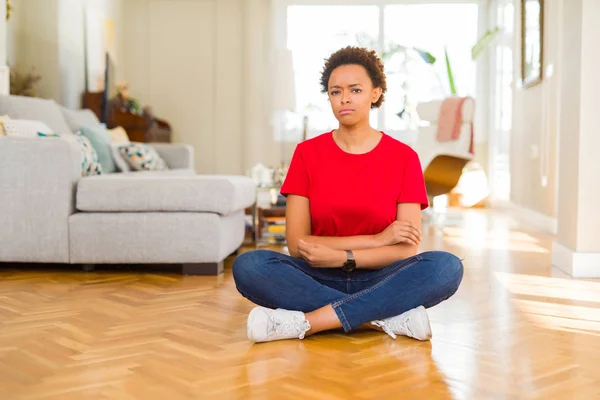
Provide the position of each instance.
(345, 98)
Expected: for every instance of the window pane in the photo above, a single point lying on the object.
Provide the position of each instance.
(428, 27)
(313, 33)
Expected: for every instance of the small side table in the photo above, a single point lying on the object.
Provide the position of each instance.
(265, 213)
(263, 217)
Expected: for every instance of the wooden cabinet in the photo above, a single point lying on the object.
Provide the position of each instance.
(139, 128)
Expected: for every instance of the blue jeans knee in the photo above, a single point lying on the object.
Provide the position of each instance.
(449, 270)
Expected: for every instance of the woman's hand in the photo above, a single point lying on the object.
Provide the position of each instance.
(399, 232)
(320, 256)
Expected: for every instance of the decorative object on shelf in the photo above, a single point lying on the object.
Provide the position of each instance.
(9, 9)
(123, 101)
(261, 175)
(24, 84)
(279, 174)
(532, 42)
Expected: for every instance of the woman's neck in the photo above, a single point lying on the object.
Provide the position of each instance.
(356, 138)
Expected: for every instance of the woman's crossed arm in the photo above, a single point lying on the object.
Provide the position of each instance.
(397, 242)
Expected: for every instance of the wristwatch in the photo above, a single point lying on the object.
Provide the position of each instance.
(350, 264)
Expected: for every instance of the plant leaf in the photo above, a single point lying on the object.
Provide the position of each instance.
(426, 56)
(450, 74)
(483, 42)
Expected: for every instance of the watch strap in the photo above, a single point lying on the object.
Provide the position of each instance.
(350, 255)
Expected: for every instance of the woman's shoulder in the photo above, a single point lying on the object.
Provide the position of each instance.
(315, 142)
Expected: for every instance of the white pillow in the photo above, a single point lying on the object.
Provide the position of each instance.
(25, 127)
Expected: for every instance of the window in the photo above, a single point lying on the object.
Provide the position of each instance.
(502, 100)
(427, 27)
(313, 32)
(331, 28)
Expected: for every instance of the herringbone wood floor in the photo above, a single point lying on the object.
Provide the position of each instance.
(516, 329)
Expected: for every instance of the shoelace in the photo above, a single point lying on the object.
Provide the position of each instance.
(289, 327)
(392, 325)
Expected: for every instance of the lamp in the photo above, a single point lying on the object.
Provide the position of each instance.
(284, 92)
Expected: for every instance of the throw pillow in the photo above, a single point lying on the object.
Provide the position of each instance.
(118, 135)
(89, 158)
(142, 157)
(100, 141)
(120, 162)
(24, 127)
(2, 119)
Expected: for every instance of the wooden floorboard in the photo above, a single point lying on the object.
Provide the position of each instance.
(516, 329)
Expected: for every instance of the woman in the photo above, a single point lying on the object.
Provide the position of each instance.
(353, 227)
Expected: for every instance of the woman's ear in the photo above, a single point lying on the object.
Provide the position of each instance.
(376, 95)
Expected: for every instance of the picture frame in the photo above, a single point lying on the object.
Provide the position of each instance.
(532, 42)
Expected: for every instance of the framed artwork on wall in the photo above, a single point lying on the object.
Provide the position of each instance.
(532, 42)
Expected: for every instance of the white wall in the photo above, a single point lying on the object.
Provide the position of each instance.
(48, 35)
(577, 248)
(4, 73)
(536, 119)
(202, 65)
(33, 43)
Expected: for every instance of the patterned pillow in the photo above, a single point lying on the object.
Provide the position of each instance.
(89, 158)
(142, 157)
(24, 127)
(120, 162)
(2, 119)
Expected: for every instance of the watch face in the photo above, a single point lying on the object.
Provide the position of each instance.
(349, 266)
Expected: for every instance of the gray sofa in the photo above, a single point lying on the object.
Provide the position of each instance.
(49, 213)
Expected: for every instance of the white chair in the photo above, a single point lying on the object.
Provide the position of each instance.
(442, 162)
(427, 145)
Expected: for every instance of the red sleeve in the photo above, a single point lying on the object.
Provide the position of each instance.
(296, 180)
(413, 183)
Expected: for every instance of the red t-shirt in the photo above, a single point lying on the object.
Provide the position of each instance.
(354, 194)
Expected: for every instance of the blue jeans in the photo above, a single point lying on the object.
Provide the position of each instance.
(276, 280)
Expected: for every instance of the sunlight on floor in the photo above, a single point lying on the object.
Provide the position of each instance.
(480, 235)
(550, 311)
(562, 317)
(548, 287)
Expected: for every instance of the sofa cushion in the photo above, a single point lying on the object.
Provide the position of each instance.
(77, 119)
(100, 141)
(46, 111)
(169, 172)
(221, 194)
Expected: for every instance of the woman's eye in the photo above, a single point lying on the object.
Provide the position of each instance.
(356, 90)
(335, 92)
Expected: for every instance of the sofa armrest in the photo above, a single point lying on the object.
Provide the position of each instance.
(37, 186)
(176, 155)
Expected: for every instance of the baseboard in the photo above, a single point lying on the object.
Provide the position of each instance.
(576, 264)
(540, 221)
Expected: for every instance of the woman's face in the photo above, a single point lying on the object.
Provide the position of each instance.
(351, 94)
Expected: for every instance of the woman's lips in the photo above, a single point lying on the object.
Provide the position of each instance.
(346, 111)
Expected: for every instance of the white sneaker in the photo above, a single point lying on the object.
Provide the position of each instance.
(265, 324)
(413, 323)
